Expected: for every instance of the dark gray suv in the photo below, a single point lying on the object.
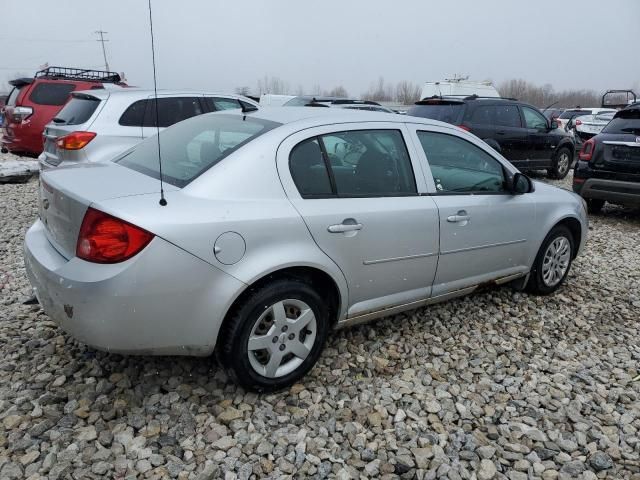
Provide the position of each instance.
(515, 129)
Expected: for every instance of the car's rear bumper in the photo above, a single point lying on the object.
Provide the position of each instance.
(615, 187)
(21, 139)
(162, 301)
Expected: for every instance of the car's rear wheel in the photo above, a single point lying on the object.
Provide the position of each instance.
(275, 336)
(561, 164)
(552, 262)
(594, 205)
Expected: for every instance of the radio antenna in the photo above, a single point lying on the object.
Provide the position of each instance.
(163, 201)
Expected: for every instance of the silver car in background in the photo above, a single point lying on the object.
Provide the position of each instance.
(281, 224)
(97, 125)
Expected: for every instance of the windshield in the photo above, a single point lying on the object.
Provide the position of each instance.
(574, 113)
(445, 112)
(191, 147)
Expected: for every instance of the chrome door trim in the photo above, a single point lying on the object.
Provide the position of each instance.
(480, 247)
(396, 259)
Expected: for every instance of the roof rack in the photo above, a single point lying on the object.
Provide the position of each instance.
(68, 73)
(354, 102)
(461, 97)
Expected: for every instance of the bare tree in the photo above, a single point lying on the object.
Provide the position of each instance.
(273, 85)
(544, 96)
(338, 91)
(379, 92)
(243, 91)
(407, 93)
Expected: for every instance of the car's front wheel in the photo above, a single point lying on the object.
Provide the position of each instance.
(561, 164)
(275, 336)
(552, 262)
(594, 205)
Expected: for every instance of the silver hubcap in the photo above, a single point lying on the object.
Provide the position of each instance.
(556, 261)
(563, 162)
(282, 338)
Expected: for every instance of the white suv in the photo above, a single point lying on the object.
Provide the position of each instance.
(97, 125)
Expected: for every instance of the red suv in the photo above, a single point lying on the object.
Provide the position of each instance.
(34, 102)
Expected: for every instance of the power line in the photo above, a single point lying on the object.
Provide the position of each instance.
(104, 51)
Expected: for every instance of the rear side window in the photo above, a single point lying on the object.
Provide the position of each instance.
(49, 93)
(359, 163)
(309, 170)
(444, 112)
(170, 111)
(507, 116)
(77, 111)
(193, 146)
(459, 166)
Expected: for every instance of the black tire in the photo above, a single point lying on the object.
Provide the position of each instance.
(536, 283)
(233, 351)
(562, 162)
(594, 205)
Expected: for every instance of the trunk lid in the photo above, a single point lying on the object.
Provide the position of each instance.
(66, 193)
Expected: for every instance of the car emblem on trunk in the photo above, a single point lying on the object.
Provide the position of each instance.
(45, 203)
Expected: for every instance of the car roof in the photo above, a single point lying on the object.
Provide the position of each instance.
(143, 93)
(324, 116)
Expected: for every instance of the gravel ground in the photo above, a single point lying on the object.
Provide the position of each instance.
(496, 385)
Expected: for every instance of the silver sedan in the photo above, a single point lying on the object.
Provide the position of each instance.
(281, 224)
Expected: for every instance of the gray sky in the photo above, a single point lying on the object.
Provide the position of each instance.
(219, 45)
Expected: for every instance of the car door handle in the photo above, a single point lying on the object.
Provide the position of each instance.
(344, 227)
(500, 132)
(461, 216)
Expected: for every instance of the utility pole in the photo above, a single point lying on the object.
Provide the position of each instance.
(104, 51)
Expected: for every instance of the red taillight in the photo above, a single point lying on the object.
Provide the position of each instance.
(464, 127)
(75, 140)
(587, 150)
(578, 122)
(107, 239)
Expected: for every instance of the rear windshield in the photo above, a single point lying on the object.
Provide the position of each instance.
(77, 111)
(49, 93)
(298, 102)
(445, 112)
(191, 147)
(574, 113)
(625, 122)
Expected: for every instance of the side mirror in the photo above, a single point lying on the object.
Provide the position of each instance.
(554, 124)
(521, 184)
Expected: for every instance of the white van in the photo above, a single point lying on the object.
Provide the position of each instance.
(458, 87)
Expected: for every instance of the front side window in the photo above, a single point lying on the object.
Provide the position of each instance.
(534, 119)
(459, 166)
(359, 163)
(49, 93)
(193, 146)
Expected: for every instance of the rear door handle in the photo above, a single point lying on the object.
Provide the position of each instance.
(344, 227)
(461, 216)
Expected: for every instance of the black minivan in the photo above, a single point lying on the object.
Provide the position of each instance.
(522, 134)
